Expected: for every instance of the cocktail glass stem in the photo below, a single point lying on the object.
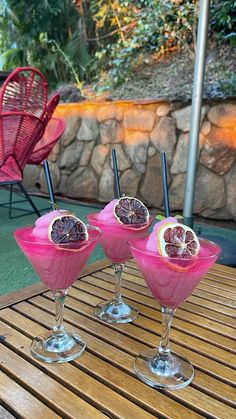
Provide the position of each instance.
(58, 266)
(118, 269)
(59, 298)
(159, 367)
(164, 347)
(57, 345)
(171, 281)
(116, 310)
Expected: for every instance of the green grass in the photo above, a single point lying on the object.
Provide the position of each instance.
(16, 271)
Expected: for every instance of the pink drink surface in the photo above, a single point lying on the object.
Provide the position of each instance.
(115, 236)
(57, 266)
(172, 280)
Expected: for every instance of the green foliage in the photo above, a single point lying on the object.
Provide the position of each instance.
(223, 20)
(44, 34)
(228, 84)
(98, 40)
(137, 28)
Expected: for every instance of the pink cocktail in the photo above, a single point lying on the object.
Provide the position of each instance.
(58, 266)
(171, 281)
(114, 241)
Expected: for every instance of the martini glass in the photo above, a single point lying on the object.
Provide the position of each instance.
(170, 281)
(58, 266)
(114, 241)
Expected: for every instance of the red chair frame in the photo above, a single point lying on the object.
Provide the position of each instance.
(44, 146)
(24, 114)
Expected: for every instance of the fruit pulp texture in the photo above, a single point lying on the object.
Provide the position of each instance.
(115, 237)
(170, 280)
(57, 266)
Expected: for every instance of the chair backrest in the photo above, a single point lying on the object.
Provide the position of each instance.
(50, 108)
(44, 146)
(24, 90)
(24, 114)
(19, 134)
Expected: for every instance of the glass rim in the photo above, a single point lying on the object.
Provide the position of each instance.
(197, 257)
(89, 240)
(127, 226)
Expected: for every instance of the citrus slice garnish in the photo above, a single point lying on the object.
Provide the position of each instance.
(131, 211)
(67, 229)
(177, 241)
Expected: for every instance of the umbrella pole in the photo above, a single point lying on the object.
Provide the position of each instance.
(199, 72)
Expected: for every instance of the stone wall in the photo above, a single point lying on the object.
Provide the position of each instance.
(81, 164)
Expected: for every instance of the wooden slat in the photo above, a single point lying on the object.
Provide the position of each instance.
(122, 382)
(212, 283)
(220, 269)
(207, 283)
(138, 284)
(35, 289)
(4, 414)
(214, 297)
(224, 314)
(102, 383)
(21, 401)
(214, 274)
(75, 379)
(180, 324)
(109, 332)
(16, 296)
(181, 312)
(114, 355)
(135, 276)
(103, 331)
(44, 387)
(217, 286)
(223, 269)
(191, 396)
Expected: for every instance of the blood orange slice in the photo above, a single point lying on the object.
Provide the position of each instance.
(67, 229)
(177, 240)
(131, 211)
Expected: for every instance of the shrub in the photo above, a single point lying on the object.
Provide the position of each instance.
(73, 40)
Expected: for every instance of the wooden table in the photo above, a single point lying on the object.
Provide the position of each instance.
(101, 383)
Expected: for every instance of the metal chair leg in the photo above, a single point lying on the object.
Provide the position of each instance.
(10, 201)
(29, 199)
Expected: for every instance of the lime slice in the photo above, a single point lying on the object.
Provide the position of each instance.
(177, 240)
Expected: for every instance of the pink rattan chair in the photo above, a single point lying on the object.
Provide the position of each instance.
(44, 146)
(18, 136)
(24, 114)
(24, 90)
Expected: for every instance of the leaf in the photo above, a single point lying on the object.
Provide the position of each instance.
(160, 217)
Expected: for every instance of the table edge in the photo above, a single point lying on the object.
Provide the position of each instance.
(34, 289)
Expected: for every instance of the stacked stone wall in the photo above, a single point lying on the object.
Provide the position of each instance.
(81, 164)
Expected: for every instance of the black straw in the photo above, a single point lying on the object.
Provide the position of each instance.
(118, 194)
(49, 184)
(164, 185)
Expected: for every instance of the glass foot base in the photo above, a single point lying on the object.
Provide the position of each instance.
(57, 348)
(111, 312)
(172, 374)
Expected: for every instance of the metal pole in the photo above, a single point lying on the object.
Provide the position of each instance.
(199, 72)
